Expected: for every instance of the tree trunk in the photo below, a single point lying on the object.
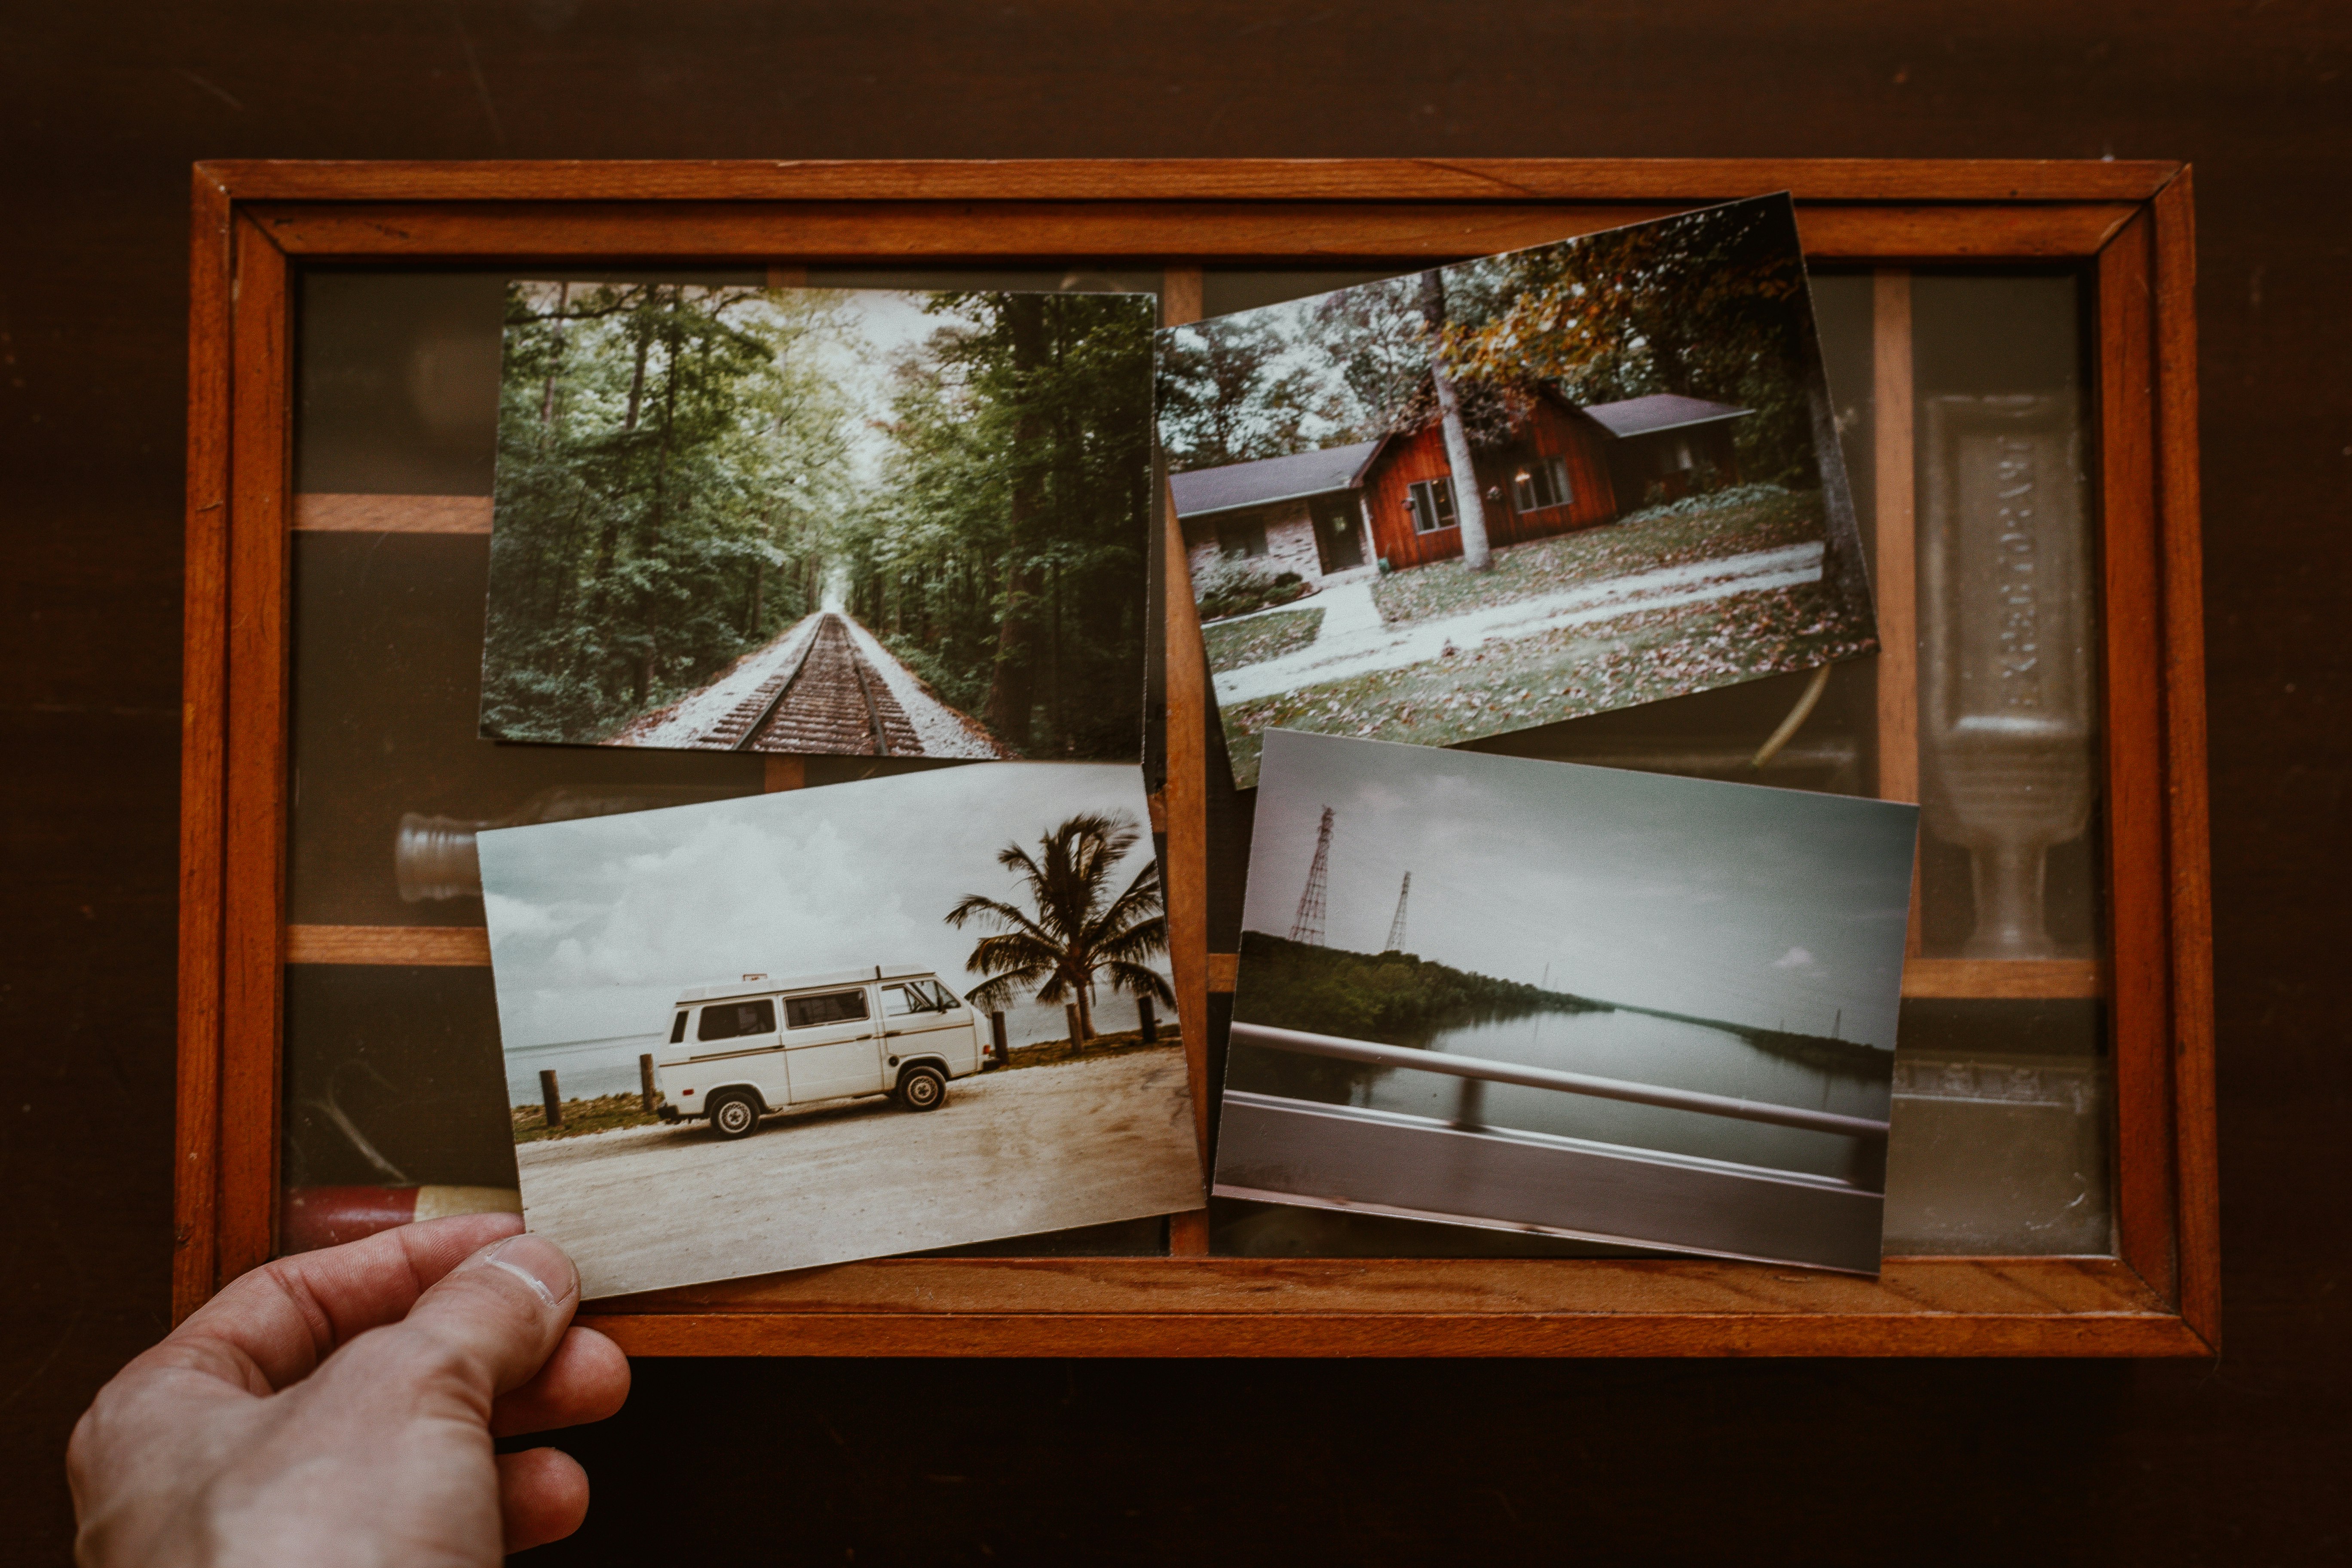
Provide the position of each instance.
(1085, 1016)
(554, 358)
(637, 376)
(1843, 569)
(1469, 508)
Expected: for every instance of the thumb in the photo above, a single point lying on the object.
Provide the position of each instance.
(496, 1318)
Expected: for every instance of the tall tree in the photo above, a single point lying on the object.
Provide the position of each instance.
(1469, 509)
(1710, 304)
(1225, 395)
(660, 449)
(1076, 927)
(1012, 686)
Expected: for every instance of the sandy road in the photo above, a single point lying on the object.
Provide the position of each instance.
(1010, 1153)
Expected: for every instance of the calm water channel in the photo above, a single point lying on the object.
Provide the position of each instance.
(1639, 1049)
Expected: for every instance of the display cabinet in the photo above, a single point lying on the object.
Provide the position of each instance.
(2011, 351)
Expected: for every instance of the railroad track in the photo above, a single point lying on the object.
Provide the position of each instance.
(830, 700)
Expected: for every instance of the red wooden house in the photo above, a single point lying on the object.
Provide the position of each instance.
(1392, 500)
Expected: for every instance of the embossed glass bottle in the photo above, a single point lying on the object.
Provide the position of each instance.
(2006, 680)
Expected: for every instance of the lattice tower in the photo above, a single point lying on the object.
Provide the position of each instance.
(1309, 926)
(1396, 926)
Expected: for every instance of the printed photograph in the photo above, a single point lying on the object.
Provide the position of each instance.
(1517, 490)
(827, 1024)
(1570, 1001)
(806, 521)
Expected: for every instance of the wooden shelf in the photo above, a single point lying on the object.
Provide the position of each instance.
(320, 512)
(433, 946)
(2003, 979)
(1996, 979)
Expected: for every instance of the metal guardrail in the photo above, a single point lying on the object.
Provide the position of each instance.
(1481, 1070)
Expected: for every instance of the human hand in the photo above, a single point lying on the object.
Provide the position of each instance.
(336, 1408)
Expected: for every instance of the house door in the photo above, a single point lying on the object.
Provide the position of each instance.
(1338, 541)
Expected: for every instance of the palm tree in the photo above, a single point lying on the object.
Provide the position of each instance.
(1079, 929)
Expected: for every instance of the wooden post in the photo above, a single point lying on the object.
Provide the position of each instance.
(645, 1081)
(1145, 1021)
(549, 1098)
(996, 1037)
(1897, 548)
(1187, 803)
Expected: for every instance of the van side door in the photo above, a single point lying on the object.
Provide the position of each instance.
(830, 1044)
(735, 1042)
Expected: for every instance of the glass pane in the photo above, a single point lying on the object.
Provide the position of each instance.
(2001, 1129)
(2002, 1109)
(393, 1074)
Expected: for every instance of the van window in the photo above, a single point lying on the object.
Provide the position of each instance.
(825, 1007)
(949, 1001)
(733, 1020)
(677, 1030)
(898, 1001)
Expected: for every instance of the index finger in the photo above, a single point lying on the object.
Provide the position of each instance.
(273, 1326)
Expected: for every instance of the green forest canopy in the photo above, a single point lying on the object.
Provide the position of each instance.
(1709, 304)
(685, 472)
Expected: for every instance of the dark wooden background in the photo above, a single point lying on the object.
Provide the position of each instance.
(2242, 1462)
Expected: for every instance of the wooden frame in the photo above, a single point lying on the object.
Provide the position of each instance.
(2129, 222)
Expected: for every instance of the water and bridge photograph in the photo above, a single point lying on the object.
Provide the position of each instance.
(821, 520)
(1570, 1001)
(836, 1022)
(1517, 489)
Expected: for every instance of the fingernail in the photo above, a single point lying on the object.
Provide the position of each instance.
(538, 1263)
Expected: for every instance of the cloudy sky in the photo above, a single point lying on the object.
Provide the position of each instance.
(595, 925)
(1731, 901)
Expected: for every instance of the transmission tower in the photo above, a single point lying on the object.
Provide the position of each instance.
(1309, 926)
(1396, 926)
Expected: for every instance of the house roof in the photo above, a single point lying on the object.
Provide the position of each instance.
(1269, 479)
(1666, 411)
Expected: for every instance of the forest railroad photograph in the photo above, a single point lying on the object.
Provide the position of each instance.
(1517, 490)
(821, 520)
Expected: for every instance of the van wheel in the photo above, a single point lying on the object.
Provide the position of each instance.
(922, 1088)
(735, 1116)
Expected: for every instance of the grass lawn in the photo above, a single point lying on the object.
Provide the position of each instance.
(1055, 1053)
(602, 1114)
(1707, 528)
(1233, 644)
(1641, 656)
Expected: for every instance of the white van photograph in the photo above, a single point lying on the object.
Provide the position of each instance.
(737, 1052)
(847, 1021)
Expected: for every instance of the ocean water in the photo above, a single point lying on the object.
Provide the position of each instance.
(586, 1068)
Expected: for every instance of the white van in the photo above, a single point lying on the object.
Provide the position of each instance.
(736, 1052)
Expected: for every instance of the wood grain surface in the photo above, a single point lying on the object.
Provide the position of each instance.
(1695, 180)
(857, 231)
(1263, 1460)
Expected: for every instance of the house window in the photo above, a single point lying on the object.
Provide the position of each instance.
(1541, 483)
(1431, 502)
(1242, 538)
